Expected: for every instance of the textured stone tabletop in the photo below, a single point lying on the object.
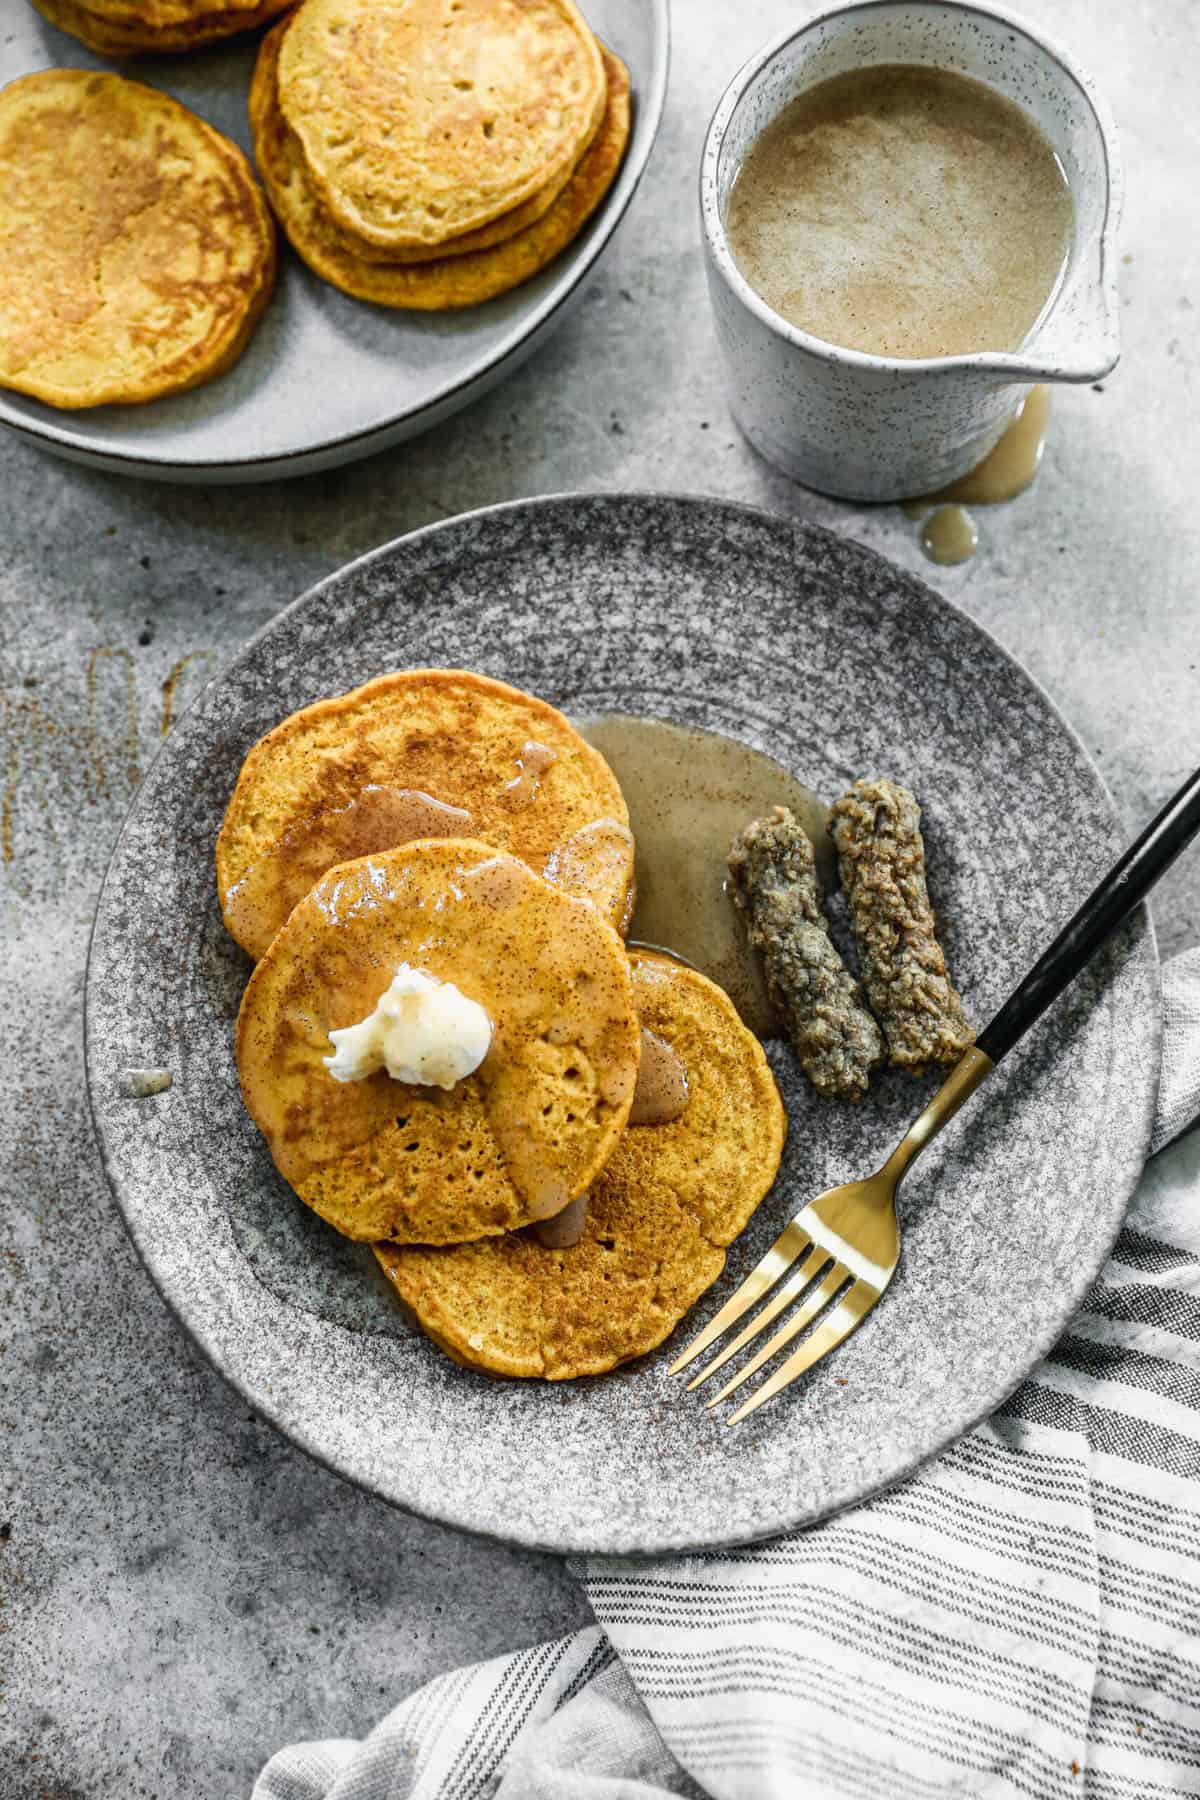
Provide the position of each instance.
(181, 1590)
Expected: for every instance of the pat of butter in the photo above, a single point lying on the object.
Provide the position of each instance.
(423, 1031)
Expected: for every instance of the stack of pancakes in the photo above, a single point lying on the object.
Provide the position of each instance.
(435, 153)
(138, 27)
(519, 893)
(421, 154)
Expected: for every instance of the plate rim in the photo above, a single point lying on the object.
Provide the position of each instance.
(82, 448)
(447, 1513)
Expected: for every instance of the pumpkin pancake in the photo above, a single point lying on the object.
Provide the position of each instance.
(129, 30)
(421, 753)
(482, 238)
(517, 219)
(421, 119)
(153, 15)
(136, 251)
(659, 1216)
(451, 280)
(514, 1141)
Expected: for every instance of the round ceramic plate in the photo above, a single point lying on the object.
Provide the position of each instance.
(805, 645)
(382, 375)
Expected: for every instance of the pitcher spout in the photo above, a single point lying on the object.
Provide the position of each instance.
(1078, 337)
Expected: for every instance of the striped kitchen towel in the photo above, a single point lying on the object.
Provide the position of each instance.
(1020, 1619)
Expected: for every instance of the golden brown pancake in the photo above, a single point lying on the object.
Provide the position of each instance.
(658, 1220)
(515, 1141)
(136, 251)
(112, 29)
(483, 237)
(508, 225)
(337, 779)
(453, 280)
(264, 105)
(154, 14)
(421, 119)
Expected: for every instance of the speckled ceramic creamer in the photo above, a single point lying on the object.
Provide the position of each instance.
(882, 428)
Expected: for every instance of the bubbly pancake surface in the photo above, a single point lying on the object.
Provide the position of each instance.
(115, 29)
(660, 1214)
(421, 119)
(303, 800)
(515, 1141)
(457, 280)
(136, 250)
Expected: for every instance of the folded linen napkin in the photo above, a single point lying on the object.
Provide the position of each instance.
(1021, 1618)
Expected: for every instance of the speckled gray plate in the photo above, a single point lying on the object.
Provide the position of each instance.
(820, 652)
(326, 379)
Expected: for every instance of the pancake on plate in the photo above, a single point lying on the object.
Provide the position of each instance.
(420, 753)
(422, 119)
(659, 1215)
(136, 251)
(515, 1140)
(484, 237)
(137, 27)
(461, 277)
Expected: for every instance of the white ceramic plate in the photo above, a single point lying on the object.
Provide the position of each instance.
(326, 379)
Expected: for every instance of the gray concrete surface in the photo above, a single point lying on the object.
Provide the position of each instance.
(183, 1591)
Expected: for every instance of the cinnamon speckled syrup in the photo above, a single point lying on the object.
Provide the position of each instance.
(904, 211)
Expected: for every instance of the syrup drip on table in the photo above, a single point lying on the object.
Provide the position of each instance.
(689, 793)
(949, 534)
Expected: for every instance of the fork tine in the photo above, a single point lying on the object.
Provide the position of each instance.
(804, 1314)
(792, 1242)
(850, 1311)
(797, 1281)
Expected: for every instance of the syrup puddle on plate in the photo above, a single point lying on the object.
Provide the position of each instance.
(689, 793)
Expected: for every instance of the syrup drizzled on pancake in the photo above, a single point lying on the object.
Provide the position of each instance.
(661, 1093)
(379, 819)
(513, 1142)
(660, 1097)
(565, 1228)
(593, 862)
(532, 764)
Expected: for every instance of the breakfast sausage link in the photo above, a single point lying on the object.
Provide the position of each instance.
(876, 830)
(776, 889)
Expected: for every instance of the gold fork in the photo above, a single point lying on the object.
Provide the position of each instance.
(843, 1247)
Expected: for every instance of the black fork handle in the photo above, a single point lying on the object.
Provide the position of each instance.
(1126, 883)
